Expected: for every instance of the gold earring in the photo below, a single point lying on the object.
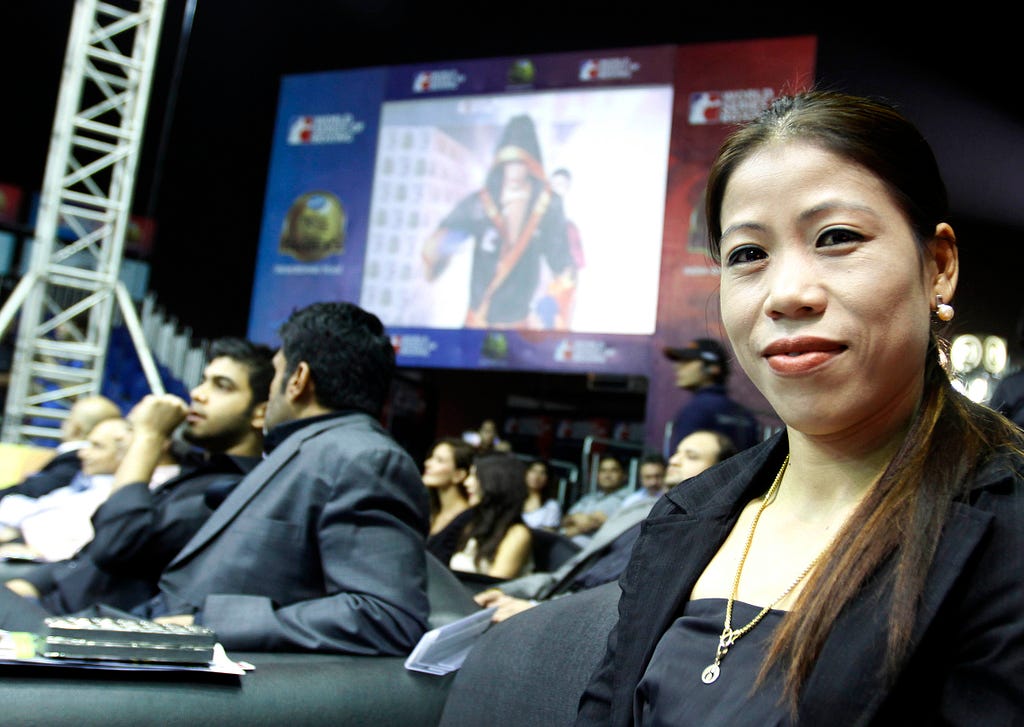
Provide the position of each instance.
(944, 311)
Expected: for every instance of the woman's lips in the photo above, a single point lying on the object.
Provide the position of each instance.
(801, 355)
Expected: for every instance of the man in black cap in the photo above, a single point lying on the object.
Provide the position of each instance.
(702, 367)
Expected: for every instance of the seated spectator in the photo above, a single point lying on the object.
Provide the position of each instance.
(495, 542)
(541, 509)
(1008, 396)
(486, 438)
(56, 525)
(444, 475)
(140, 528)
(696, 452)
(591, 510)
(605, 557)
(652, 479)
(84, 414)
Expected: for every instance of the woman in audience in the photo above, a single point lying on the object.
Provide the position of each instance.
(541, 510)
(495, 542)
(444, 474)
(486, 438)
(866, 563)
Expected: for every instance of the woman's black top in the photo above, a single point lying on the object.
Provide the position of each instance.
(671, 692)
(445, 542)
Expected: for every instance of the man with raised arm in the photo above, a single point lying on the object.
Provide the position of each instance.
(147, 519)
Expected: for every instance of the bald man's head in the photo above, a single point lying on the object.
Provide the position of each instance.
(85, 414)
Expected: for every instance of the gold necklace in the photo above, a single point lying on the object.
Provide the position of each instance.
(729, 635)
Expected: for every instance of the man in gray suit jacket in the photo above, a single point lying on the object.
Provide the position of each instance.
(321, 547)
(606, 554)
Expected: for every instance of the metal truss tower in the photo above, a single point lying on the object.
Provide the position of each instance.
(68, 298)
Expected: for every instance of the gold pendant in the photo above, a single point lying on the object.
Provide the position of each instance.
(710, 674)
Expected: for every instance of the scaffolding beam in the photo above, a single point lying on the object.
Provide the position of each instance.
(64, 306)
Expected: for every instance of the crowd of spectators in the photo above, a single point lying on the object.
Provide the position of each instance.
(197, 511)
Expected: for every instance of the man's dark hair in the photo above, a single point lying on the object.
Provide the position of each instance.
(726, 447)
(257, 359)
(612, 457)
(350, 358)
(653, 458)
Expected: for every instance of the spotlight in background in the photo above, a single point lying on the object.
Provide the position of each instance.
(994, 359)
(978, 362)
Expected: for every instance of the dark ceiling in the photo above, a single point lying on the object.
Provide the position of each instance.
(203, 169)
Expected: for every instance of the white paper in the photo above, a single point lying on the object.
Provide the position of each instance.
(442, 650)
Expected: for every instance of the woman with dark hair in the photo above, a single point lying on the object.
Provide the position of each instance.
(444, 475)
(866, 563)
(495, 542)
(541, 509)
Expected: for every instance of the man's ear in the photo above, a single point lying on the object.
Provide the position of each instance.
(300, 384)
(258, 416)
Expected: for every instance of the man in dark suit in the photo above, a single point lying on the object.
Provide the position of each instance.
(143, 524)
(322, 546)
(84, 414)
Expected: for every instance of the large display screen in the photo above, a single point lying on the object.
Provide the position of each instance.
(514, 211)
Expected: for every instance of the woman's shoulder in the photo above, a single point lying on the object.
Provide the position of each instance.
(519, 530)
(514, 554)
(996, 495)
(517, 538)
